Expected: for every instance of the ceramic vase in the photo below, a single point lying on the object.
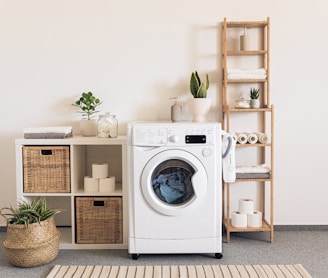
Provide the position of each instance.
(88, 127)
(199, 107)
(255, 103)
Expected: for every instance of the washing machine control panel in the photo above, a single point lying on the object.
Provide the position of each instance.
(174, 135)
(150, 137)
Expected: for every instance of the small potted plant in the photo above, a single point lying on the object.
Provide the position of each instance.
(254, 94)
(199, 105)
(88, 104)
(32, 238)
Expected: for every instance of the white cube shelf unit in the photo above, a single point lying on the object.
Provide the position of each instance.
(83, 152)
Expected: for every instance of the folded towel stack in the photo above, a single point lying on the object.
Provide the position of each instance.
(247, 73)
(261, 171)
(59, 132)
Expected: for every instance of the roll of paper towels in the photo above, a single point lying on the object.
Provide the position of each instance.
(263, 138)
(252, 138)
(242, 138)
(91, 184)
(107, 184)
(254, 220)
(238, 219)
(100, 171)
(246, 206)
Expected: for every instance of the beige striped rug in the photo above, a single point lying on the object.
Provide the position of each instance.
(179, 271)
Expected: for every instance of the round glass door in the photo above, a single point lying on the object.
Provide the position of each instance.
(174, 182)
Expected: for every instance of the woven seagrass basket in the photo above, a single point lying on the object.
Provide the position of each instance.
(34, 246)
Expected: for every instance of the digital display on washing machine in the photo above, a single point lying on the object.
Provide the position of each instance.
(195, 139)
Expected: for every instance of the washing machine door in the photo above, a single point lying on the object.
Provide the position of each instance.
(174, 182)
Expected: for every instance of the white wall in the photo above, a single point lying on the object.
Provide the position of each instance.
(136, 54)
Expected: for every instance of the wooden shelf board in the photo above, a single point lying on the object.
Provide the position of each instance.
(246, 80)
(249, 24)
(264, 228)
(250, 180)
(227, 108)
(252, 145)
(245, 53)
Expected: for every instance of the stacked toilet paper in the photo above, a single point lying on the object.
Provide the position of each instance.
(100, 181)
(246, 216)
(251, 137)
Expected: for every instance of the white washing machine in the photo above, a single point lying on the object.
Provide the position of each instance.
(175, 191)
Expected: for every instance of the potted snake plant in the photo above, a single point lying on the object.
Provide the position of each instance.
(32, 238)
(254, 94)
(199, 105)
(88, 104)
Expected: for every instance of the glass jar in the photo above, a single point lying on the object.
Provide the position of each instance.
(103, 125)
(113, 129)
(107, 126)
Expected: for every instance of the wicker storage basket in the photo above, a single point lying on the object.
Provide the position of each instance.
(34, 246)
(99, 220)
(46, 169)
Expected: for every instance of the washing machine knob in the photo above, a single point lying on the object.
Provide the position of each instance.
(207, 152)
(174, 138)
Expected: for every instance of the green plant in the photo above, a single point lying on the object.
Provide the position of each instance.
(29, 213)
(254, 93)
(197, 88)
(88, 104)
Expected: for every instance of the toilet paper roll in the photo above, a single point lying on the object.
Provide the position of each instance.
(91, 184)
(241, 138)
(252, 138)
(263, 138)
(100, 171)
(238, 219)
(246, 206)
(254, 220)
(107, 184)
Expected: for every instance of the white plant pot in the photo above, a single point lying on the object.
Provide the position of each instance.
(88, 128)
(255, 103)
(199, 107)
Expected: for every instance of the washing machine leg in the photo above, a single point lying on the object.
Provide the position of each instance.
(218, 255)
(135, 256)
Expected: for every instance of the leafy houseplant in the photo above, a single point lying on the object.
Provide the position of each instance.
(28, 213)
(199, 105)
(197, 88)
(32, 237)
(88, 104)
(254, 94)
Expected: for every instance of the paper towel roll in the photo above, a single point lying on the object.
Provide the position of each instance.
(254, 220)
(252, 138)
(100, 171)
(91, 184)
(263, 138)
(241, 138)
(107, 184)
(238, 219)
(246, 206)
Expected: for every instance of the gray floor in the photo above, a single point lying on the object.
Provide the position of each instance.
(301, 246)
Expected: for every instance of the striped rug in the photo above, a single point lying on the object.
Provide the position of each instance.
(179, 271)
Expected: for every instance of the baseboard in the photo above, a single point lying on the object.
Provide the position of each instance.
(301, 227)
(276, 228)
